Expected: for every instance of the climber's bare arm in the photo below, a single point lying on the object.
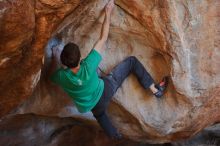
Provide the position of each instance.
(53, 64)
(105, 27)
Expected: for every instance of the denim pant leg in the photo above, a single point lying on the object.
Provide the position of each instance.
(127, 66)
(111, 83)
(99, 111)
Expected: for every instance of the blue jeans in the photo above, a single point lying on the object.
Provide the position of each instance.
(112, 82)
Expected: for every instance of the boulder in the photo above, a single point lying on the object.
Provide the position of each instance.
(25, 27)
(175, 38)
(32, 130)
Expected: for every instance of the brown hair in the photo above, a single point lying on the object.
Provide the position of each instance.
(70, 56)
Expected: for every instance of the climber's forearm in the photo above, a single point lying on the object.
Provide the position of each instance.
(52, 67)
(104, 33)
(105, 27)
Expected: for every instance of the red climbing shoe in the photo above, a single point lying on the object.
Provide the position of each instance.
(161, 87)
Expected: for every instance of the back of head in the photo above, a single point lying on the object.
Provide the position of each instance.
(70, 56)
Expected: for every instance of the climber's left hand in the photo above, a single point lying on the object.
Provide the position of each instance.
(109, 7)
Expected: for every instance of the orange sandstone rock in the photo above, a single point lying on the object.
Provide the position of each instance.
(176, 38)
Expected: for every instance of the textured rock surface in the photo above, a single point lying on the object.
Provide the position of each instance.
(176, 38)
(25, 29)
(32, 130)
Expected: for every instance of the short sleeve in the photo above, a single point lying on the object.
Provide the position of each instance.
(92, 60)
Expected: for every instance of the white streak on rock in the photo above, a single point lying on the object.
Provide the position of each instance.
(4, 60)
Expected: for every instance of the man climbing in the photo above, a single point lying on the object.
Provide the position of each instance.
(91, 93)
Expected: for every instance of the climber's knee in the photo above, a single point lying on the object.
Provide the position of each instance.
(132, 58)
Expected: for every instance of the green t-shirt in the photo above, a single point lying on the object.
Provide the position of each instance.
(84, 87)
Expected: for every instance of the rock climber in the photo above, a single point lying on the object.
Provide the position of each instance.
(90, 92)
